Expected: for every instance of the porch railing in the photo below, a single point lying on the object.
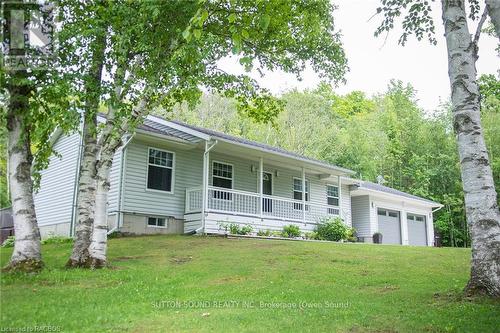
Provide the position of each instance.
(249, 203)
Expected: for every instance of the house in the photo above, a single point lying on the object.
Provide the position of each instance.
(170, 177)
(6, 224)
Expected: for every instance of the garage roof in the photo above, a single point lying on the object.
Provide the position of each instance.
(366, 185)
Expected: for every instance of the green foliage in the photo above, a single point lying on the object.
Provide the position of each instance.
(235, 229)
(332, 229)
(264, 233)
(311, 235)
(9, 242)
(290, 231)
(57, 240)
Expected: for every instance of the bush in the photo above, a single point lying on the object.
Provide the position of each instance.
(332, 229)
(290, 231)
(246, 230)
(311, 235)
(264, 233)
(57, 240)
(9, 242)
(351, 235)
(234, 229)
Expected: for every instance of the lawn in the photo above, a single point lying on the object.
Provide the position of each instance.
(207, 284)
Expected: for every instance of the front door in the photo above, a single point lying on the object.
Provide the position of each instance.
(267, 189)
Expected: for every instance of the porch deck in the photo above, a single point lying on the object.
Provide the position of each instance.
(243, 206)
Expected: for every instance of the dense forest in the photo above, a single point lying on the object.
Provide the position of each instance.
(387, 134)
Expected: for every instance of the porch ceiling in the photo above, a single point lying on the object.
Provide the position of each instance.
(277, 160)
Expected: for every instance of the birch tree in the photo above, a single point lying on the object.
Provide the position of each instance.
(157, 58)
(483, 215)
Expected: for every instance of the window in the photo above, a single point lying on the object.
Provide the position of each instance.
(222, 175)
(413, 217)
(381, 212)
(332, 195)
(160, 170)
(297, 189)
(297, 193)
(393, 214)
(157, 222)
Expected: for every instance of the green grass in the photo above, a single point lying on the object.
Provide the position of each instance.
(377, 288)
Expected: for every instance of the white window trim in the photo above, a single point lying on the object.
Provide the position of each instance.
(156, 226)
(307, 196)
(172, 186)
(272, 184)
(232, 173)
(307, 192)
(329, 196)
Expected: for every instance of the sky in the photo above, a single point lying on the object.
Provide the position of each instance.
(373, 62)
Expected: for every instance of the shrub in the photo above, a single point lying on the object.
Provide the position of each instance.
(311, 235)
(235, 229)
(57, 240)
(290, 231)
(264, 233)
(9, 242)
(332, 229)
(351, 235)
(246, 230)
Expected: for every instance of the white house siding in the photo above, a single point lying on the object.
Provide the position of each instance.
(360, 207)
(54, 200)
(114, 179)
(137, 199)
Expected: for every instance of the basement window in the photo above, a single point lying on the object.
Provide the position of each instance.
(157, 222)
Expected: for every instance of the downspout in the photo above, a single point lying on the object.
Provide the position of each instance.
(206, 168)
(123, 155)
(76, 183)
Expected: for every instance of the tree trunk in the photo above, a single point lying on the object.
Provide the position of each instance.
(98, 245)
(483, 215)
(27, 250)
(86, 196)
(87, 180)
(109, 142)
(493, 7)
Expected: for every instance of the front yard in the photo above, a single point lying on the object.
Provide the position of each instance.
(198, 284)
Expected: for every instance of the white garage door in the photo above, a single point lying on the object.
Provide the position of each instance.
(389, 226)
(417, 231)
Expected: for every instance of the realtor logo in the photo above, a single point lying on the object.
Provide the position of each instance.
(27, 35)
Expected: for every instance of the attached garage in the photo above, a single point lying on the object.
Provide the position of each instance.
(417, 229)
(389, 226)
(400, 217)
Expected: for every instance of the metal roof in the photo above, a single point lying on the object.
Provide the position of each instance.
(363, 184)
(249, 143)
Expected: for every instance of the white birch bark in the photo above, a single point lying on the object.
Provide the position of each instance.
(27, 249)
(109, 142)
(483, 215)
(87, 180)
(86, 198)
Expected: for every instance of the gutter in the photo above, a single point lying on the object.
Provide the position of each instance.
(123, 156)
(206, 167)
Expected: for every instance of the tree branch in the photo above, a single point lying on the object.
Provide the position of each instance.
(480, 26)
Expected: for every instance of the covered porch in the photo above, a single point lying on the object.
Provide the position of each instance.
(267, 190)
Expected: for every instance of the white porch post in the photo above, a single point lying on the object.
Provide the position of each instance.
(261, 187)
(339, 182)
(204, 203)
(303, 194)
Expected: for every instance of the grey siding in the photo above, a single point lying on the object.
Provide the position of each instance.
(114, 179)
(54, 200)
(188, 173)
(360, 208)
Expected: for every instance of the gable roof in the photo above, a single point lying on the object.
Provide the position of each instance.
(363, 184)
(204, 133)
